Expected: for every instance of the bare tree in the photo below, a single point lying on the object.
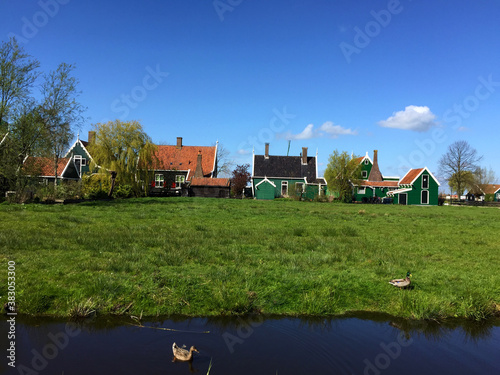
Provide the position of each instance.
(61, 111)
(482, 178)
(459, 159)
(17, 76)
(224, 164)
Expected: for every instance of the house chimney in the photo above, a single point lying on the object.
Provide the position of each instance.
(91, 138)
(304, 155)
(375, 174)
(179, 142)
(198, 173)
(266, 155)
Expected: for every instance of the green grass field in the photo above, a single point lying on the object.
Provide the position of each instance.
(202, 257)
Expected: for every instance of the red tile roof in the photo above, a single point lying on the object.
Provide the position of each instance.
(210, 182)
(490, 188)
(185, 158)
(411, 176)
(44, 166)
(379, 183)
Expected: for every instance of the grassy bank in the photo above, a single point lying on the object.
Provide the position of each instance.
(211, 257)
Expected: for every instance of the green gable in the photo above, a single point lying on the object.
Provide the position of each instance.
(81, 157)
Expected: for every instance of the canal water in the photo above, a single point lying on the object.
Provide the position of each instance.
(359, 344)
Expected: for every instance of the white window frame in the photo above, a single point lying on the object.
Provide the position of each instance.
(284, 183)
(159, 180)
(425, 187)
(297, 184)
(364, 174)
(361, 190)
(179, 180)
(422, 197)
(367, 161)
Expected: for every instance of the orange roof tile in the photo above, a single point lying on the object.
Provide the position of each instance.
(185, 158)
(44, 166)
(210, 181)
(411, 176)
(379, 183)
(490, 188)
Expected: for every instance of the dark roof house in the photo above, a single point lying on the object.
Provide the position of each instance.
(272, 175)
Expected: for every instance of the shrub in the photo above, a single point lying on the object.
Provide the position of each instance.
(95, 186)
(123, 191)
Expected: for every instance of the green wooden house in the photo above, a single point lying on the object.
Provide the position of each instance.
(275, 176)
(372, 186)
(80, 156)
(417, 187)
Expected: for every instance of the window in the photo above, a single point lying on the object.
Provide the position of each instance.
(299, 187)
(84, 162)
(179, 179)
(425, 197)
(367, 161)
(159, 180)
(364, 174)
(425, 181)
(284, 188)
(361, 190)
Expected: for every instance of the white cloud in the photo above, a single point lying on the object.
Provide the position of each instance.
(335, 130)
(243, 151)
(328, 129)
(307, 133)
(414, 118)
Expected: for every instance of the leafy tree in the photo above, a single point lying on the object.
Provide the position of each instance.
(459, 158)
(466, 180)
(18, 73)
(62, 113)
(125, 149)
(342, 173)
(26, 137)
(241, 177)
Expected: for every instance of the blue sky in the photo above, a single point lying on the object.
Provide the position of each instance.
(406, 77)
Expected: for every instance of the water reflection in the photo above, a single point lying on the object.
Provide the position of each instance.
(360, 343)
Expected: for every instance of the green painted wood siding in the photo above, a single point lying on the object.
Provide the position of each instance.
(78, 150)
(369, 193)
(267, 191)
(415, 195)
(367, 168)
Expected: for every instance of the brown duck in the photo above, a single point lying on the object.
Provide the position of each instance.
(402, 283)
(181, 354)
